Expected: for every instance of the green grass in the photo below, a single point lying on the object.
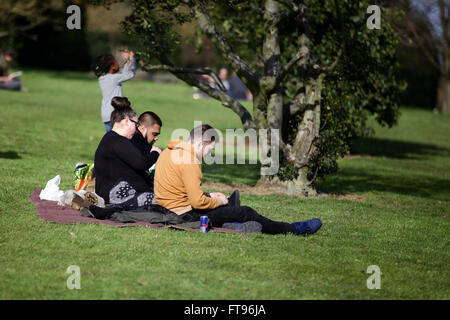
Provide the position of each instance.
(401, 224)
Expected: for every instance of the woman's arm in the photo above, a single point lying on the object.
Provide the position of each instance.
(6, 79)
(128, 71)
(128, 153)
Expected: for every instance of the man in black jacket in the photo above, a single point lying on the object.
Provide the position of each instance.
(148, 130)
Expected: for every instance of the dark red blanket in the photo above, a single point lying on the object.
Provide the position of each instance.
(50, 211)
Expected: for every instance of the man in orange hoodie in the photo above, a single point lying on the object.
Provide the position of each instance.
(178, 178)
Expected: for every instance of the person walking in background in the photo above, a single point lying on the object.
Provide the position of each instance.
(106, 68)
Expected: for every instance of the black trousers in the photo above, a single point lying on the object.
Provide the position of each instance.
(220, 215)
(13, 85)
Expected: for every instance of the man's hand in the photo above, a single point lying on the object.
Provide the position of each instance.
(155, 149)
(220, 196)
(216, 194)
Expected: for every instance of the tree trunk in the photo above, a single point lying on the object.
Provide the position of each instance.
(302, 185)
(308, 99)
(443, 95)
(303, 147)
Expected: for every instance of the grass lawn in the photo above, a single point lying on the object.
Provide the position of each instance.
(394, 212)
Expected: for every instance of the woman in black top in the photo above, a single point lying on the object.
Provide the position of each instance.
(119, 166)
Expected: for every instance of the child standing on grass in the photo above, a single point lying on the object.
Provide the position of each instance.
(106, 68)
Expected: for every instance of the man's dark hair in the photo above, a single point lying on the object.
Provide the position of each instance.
(10, 52)
(207, 133)
(122, 109)
(149, 118)
(102, 63)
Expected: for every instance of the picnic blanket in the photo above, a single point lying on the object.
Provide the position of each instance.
(50, 211)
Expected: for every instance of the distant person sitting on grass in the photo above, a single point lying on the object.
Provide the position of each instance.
(106, 68)
(8, 81)
(238, 89)
(119, 164)
(147, 132)
(223, 76)
(178, 180)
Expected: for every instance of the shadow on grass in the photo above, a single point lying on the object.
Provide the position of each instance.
(10, 155)
(355, 180)
(405, 181)
(395, 149)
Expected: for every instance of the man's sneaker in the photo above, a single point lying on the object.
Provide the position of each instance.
(244, 227)
(307, 227)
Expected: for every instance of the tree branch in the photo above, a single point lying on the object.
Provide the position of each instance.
(290, 4)
(287, 67)
(424, 48)
(331, 67)
(256, 8)
(287, 151)
(445, 21)
(171, 69)
(249, 76)
(186, 75)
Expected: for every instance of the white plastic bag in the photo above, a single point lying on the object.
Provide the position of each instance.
(51, 191)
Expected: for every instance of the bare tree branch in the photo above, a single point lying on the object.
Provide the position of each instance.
(444, 12)
(418, 29)
(420, 42)
(186, 75)
(210, 72)
(287, 67)
(287, 151)
(241, 68)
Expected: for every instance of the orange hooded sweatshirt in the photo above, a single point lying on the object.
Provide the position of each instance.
(178, 180)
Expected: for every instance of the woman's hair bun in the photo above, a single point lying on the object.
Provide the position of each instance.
(120, 103)
(122, 110)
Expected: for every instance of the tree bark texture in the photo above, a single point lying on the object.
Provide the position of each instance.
(443, 95)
